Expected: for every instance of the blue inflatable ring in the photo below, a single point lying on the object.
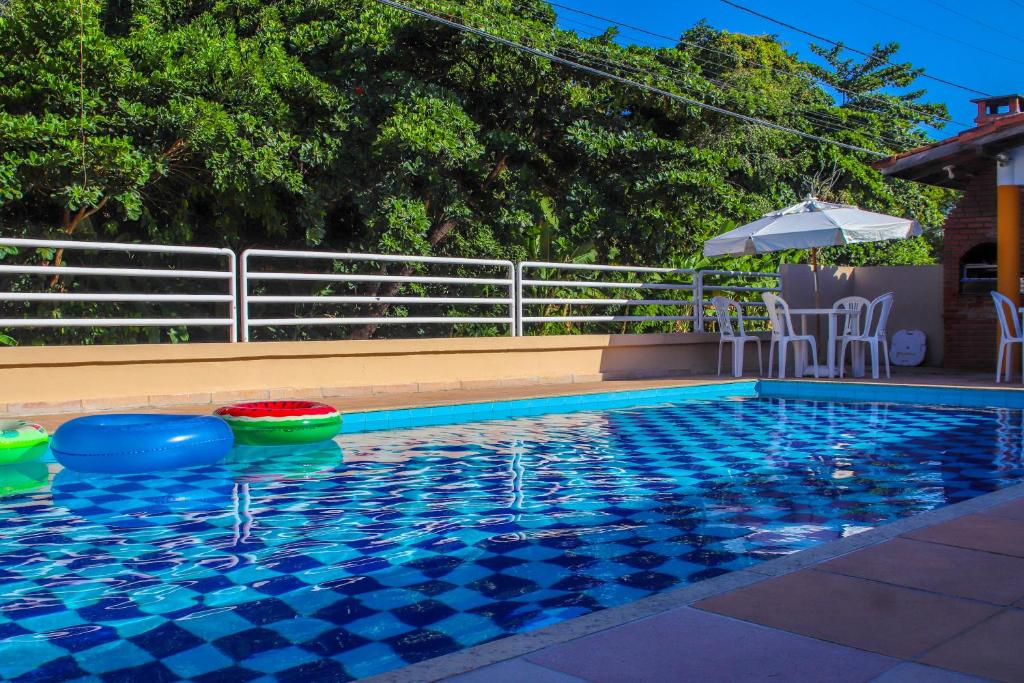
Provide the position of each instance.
(122, 444)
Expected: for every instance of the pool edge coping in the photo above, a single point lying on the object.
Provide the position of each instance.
(572, 402)
(379, 419)
(522, 644)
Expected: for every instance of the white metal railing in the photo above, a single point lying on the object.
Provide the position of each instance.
(710, 282)
(539, 282)
(525, 287)
(227, 275)
(249, 299)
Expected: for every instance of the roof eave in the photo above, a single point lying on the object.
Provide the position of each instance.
(965, 153)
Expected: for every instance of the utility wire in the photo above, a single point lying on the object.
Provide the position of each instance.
(835, 43)
(944, 36)
(740, 61)
(823, 119)
(528, 49)
(820, 118)
(974, 20)
(852, 104)
(81, 90)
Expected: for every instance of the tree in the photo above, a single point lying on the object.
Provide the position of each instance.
(155, 121)
(350, 125)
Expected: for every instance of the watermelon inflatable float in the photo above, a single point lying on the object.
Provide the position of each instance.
(278, 423)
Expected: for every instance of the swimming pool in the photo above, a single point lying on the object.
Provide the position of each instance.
(294, 565)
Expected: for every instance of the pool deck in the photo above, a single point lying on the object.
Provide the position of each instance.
(934, 597)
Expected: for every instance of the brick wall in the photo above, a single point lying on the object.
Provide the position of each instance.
(969, 319)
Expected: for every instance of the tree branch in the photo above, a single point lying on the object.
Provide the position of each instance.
(437, 233)
(68, 226)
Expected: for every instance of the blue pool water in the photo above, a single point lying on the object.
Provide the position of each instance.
(389, 547)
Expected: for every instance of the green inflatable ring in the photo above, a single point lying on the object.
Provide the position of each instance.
(22, 442)
(281, 423)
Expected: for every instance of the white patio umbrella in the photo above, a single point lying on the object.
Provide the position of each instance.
(811, 224)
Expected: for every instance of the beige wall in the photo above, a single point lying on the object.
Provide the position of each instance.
(917, 304)
(35, 380)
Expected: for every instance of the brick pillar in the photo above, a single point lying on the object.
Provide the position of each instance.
(969, 318)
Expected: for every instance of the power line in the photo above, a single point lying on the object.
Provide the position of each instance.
(739, 60)
(822, 119)
(835, 43)
(944, 36)
(974, 20)
(528, 49)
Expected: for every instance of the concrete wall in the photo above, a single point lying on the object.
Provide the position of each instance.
(917, 304)
(60, 379)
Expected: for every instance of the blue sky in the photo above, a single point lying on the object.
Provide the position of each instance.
(982, 50)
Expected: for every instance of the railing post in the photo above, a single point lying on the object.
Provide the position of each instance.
(233, 291)
(698, 302)
(513, 287)
(519, 299)
(243, 294)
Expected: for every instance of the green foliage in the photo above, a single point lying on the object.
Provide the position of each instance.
(349, 125)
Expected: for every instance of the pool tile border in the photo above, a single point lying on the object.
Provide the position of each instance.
(436, 415)
(824, 390)
(430, 416)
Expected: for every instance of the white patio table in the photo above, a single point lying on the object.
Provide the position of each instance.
(833, 314)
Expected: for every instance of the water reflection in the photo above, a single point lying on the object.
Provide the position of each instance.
(22, 477)
(158, 499)
(255, 463)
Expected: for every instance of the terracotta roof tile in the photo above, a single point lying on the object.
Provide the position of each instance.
(969, 135)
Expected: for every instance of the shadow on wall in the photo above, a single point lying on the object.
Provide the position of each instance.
(917, 304)
(667, 355)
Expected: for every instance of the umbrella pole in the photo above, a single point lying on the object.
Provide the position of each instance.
(814, 267)
(817, 292)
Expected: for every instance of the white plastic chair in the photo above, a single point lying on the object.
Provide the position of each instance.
(872, 334)
(1009, 334)
(726, 333)
(783, 334)
(851, 322)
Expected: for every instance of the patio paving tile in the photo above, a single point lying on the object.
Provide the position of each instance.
(953, 571)
(991, 649)
(978, 532)
(896, 621)
(909, 672)
(690, 645)
(515, 671)
(1014, 510)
